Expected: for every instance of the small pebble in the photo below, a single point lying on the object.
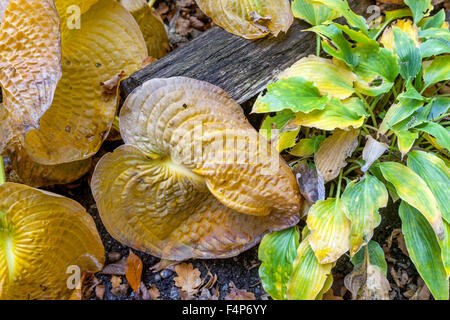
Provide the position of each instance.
(157, 277)
(257, 290)
(225, 287)
(174, 295)
(165, 273)
(114, 256)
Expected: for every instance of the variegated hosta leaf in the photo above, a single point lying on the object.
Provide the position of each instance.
(376, 256)
(79, 119)
(338, 47)
(436, 21)
(342, 8)
(41, 236)
(295, 94)
(193, 164)
(250, 19)
(314, 14)
(405, 140)
(30, 60)
(277, 253)
(434, 47)
(399, 112)
(408, 53)
(439, 132)
(424, 251)
(308, 276)
(331, 78)
(330, 229)
(333, 152)
(412, 189)
(275, 129)
(367, 281)
(24, 170)
(405, 25)
(438, 70)
(436, 174)
(372, 151)
(364, 199)
(336, 115)
(419, 8)
(307, 147)
(151, 25)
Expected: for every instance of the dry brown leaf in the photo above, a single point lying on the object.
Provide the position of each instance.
(237, 294)
(310, 182)
(120, 290)
(398, 235)
(100, 291)
(367, 282)
(143, 293)
(110, 87)
(154, 292)
(117, 268)
(188, 278)
(164, 264)
(116, 281)
(333, 151)
(133, 271)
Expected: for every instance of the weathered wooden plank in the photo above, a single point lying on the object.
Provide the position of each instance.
(241, 67)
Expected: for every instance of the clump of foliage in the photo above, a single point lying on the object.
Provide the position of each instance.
(367, 121)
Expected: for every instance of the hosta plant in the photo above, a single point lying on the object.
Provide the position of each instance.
(364, 120)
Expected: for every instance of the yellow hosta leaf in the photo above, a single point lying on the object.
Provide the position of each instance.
(45, 241)
(151, 25)
(70, 12)
(25, 170)
(250, 19)
(330, 158)
(30, 57)
(308, 276)
(337, 114)
(79, 119)
(407, 26)
(330, 229)
(192, 170)
(331, 77)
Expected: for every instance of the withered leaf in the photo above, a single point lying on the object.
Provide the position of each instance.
(333, 151)
(154, 292)
(237, 294)
(310, 182)
(188, 278)
(133, 271)
(117, 268)
(116, 281)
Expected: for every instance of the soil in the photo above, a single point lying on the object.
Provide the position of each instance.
(184, 22)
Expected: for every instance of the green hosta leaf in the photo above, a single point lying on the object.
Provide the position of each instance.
(363, 199)
(419, 8)
(410, 59)
(410, 93)
(342, 7)
(340, 47)
(435, 33)
(309, 276)
(314, 14)
(330, 229)
(307, 147)
(434, 47)
(337, 114)
(376, 256)
(436, 21)
(412, 189)
(376, 71)
(399, 112)
(438, 70)
(438, 107)
(405, 140)
(277, 253)
(296, 94)
(424, 251)
(436, 174)
(441, 134)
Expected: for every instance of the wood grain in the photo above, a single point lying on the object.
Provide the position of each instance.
(241, 67)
